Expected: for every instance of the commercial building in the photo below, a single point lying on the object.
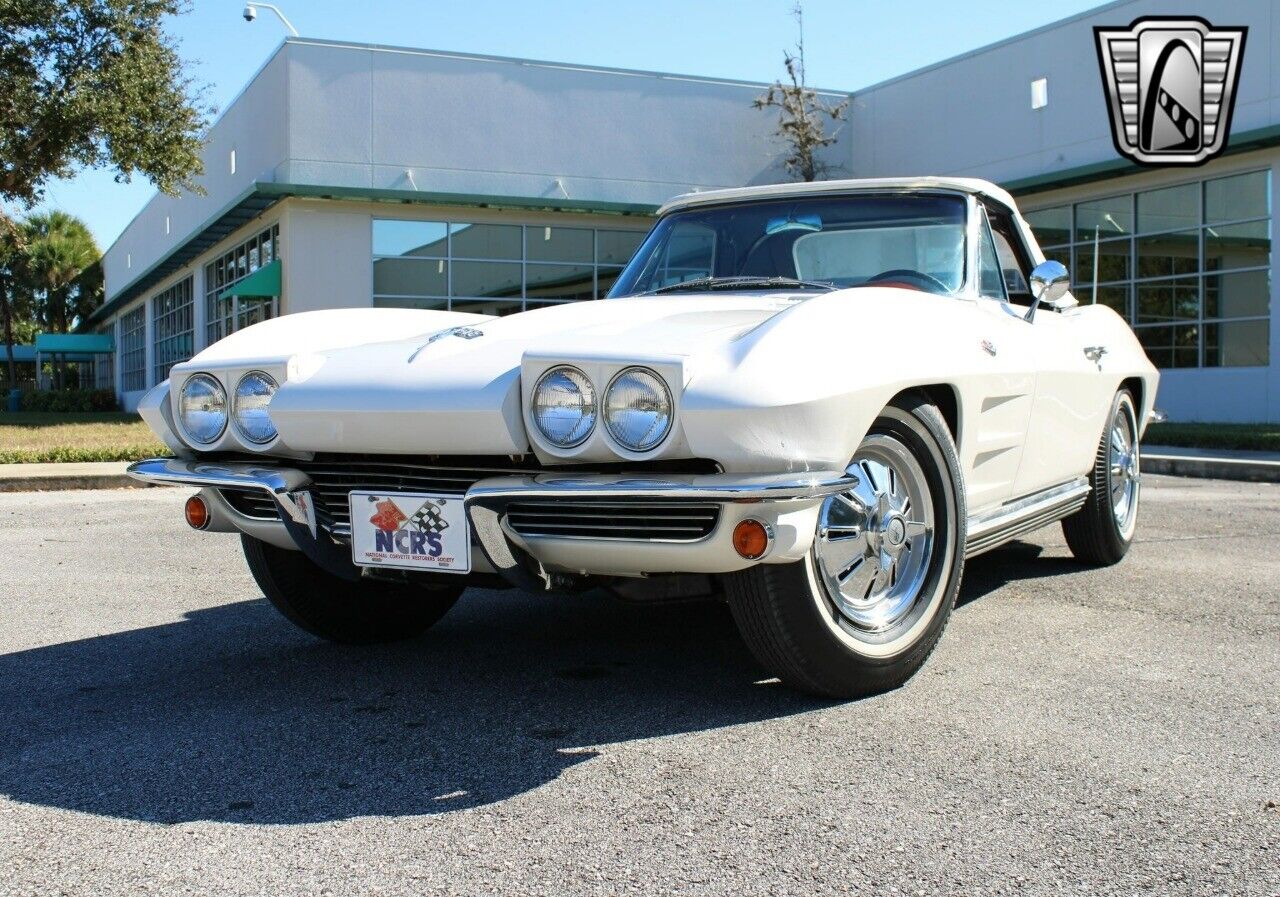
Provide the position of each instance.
(356, 175)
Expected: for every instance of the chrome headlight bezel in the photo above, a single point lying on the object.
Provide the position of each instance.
(580, 432)
(656, 436)
(219, 392)
(239, 399)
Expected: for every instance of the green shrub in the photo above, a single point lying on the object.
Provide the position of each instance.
(70, 400)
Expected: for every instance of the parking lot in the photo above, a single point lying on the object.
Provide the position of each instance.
(1108, 731)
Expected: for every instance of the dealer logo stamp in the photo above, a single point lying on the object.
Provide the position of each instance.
(1171, 86)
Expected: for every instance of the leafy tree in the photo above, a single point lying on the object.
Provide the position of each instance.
(88, 84)
(803, 114)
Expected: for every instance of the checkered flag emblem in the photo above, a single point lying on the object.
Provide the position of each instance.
(428, 519)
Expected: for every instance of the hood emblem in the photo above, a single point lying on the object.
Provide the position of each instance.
(464, 332)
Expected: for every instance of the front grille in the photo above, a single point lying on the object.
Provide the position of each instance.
(252, 503)
(599, 519)
(333, 477)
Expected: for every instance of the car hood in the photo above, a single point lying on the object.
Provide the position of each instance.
(457, 390)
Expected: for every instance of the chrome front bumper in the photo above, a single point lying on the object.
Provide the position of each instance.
(486, 501)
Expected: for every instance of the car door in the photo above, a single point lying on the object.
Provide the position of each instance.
(1000, 394)
(1072, 393)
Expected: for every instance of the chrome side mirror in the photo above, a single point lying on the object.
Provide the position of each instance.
(1049, 283)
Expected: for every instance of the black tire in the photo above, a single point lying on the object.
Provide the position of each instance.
(794, 629)
(362, 613)
(1094, 533)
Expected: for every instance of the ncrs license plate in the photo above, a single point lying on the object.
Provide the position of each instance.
(410, 530)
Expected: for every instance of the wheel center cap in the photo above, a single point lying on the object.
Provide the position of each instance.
(895, 531)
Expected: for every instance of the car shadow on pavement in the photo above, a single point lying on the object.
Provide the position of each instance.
(1010, 563)
(233, 715)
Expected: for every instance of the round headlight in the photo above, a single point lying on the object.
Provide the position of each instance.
(253, 395)
(564, 406)
(637, 409)
(202, 408)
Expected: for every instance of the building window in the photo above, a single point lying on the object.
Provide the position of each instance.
(133, 349)
(1188, 266)
(172, 327)
(224, 316)
(104, 366)
(494, 269)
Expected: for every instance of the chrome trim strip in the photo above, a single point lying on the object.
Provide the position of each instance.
(1024, 515)
(279, 482)
(725, 487)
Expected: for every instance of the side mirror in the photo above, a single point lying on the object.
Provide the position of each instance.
(1049, 284)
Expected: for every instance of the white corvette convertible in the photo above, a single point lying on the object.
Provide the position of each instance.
(812, 400)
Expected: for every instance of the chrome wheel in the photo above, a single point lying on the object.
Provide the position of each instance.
(874, 542)
(1123, 473)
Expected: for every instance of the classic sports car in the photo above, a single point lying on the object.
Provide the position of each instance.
(814, 400)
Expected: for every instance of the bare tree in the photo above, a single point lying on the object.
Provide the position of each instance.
(803, 114)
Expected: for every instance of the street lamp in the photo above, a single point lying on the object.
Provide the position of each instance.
(251, 13)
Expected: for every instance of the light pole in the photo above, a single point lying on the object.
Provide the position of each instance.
(251, 13)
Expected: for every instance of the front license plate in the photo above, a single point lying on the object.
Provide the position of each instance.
(410, 530)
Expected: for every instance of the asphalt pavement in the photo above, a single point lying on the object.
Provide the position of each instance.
(163, 731)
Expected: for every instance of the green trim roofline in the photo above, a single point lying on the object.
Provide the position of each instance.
(263, 195)
(1243, 142)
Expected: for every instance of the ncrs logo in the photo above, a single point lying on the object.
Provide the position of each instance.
(1170, 85)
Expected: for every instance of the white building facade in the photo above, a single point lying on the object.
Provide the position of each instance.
(366, 175)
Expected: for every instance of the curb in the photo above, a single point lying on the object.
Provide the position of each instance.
(69, 481)
(1212, 468)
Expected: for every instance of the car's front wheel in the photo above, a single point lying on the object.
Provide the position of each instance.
(862, 612)
(341, 611)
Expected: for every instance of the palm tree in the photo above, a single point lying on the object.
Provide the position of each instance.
(58, 266)
(59, 249)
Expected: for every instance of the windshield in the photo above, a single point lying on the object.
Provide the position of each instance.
(915, 240)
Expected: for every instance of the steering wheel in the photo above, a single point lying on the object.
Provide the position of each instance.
(915, 280)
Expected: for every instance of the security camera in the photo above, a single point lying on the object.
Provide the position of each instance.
(250, 13)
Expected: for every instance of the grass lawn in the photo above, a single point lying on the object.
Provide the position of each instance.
(30, 437)
(1259, 437)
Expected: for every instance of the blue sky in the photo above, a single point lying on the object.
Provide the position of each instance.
(849, 44)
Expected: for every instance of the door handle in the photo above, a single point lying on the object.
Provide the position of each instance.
(1095, 353)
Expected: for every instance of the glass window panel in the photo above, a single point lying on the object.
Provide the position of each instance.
(617, 246)
(1237, 344)
(559, 244)
(1229, 246)
(605, 279)
(1059, 254)
(1116, 297)
(1168, 255)
(1172, 208)
(486, 241)
(1240, 295)
(486, 278)
(1113, 261)
(1237, 197)
(1169, 300)
(1171, 347)
(410, 277)
(560, 281)
(423, 238)
(488, 306)
(990, 277)
(1051, 225)
(439, 304)
(1111, 217)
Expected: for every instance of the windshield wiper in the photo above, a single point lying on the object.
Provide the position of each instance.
(741, 283)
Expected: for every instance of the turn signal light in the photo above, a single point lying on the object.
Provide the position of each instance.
(751, 539)
(196, 512)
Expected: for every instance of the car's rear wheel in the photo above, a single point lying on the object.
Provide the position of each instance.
(862, 612)
(1101, 532)
(342, 611)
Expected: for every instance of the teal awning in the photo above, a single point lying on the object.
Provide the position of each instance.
(262, 283)
(22, 354)
(77, 343)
